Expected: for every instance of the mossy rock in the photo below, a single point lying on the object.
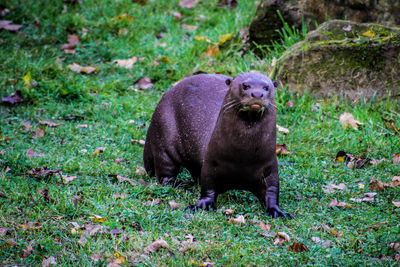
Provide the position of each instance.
(344, 58)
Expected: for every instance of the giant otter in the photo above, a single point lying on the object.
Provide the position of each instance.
(223, 131)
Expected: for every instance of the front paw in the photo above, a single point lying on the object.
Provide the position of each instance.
(275, 212)
(204, 204)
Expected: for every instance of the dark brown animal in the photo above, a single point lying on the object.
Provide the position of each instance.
(223, 131)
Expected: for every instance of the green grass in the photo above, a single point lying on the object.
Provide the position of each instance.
(121, 112)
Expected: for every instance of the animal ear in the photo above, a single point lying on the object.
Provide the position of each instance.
(228, 81)
(275, 83)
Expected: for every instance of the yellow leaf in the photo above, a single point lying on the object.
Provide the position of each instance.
(98, 218)
(98, 151)
(340, 159)
(369, 34)
(27, 79)
(224, 38)
(124, 16)
(164, 59)
(212, 51)
(201, 38)
(119, 258)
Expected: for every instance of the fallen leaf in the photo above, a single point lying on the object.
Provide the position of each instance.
(361, 185)
(297, 247)
(376, 185)
(332, 187)
(43, 172)
(152, 202)
(119, 258)
(79, 69)
(224, 38)
(391, 124)
(144, 83)
(10, 243)
(98, 219)
(49, 261)
(326, 243)
(124, 17)
(140, 142)
(4, 231)
(38, 133)
(282, 129)
(289, 104)
(316, 239)
(116, 231)
(27, 251)
(99, 150)
(282, 150)
(30, 226)
(156, 245)
(396, 158)
(119, 196)
(123, 31)
(27, 126)
(140, 171)
(177, 15)
(82, 241)
(96, 257)
(376, 162)
(238, 220)
(68, 179)
(369, 34)
(7, 25)
(202, 39)
(30, 153)
(14, 98)
(396, 203)
(229, 211)
(82, 126)
(347, 120)
(126, 63)
(164, 59)
(189, 27)
(335, 203)
(187, 3)
(212, 51)
(173, 204)
(265, 227)
(27, 79)
(122, 179)
(281, 238)
(395, 181)
(50, 123)
(73, 41)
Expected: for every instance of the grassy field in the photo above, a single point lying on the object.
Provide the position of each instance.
(110, 212)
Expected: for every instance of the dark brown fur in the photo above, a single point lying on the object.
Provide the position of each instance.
(223, 131)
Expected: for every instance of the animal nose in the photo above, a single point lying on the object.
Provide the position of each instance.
(257, 94)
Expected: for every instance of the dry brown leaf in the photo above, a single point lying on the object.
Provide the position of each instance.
(282, 150)
(68, 179)
(5, 230)
(330, 188)
(281, 238)
(297, 247)
(238, 220)
(156, 245)
(126, 179)
(38, 133)
(30, 153)
(265, 227)
(126, 63)
(97, 218)
(326, 243)
(73, 41)
(119, 196)
(173, 204)
(289, 104)
(14, 98)
(396, 158)
(391, 124)
(49, 261)
(395, 181)
(99, 150)
(144, 83)
(50, 123)
(10, 243)
(124, 17)
(7, 25)
(396, 203)
(189, 27)
(152, 202)
(187, 3)
(82, 241)
(335, 203)
(43, 172)
(140, 171)
(229, 211)
(212, 51)
(27, 126)
(347, 120)
(282, 129)
(177, 15)
(80, 69)
(96, 257)
(376, 185)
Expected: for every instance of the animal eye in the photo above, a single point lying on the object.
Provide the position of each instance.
(245, 86)
(266, 88)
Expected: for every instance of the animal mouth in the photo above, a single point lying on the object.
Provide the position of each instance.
(254, 107)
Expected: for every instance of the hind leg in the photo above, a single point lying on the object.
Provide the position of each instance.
(166, 169)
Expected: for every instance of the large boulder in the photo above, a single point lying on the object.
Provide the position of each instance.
(266, 22)
(344, 58)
